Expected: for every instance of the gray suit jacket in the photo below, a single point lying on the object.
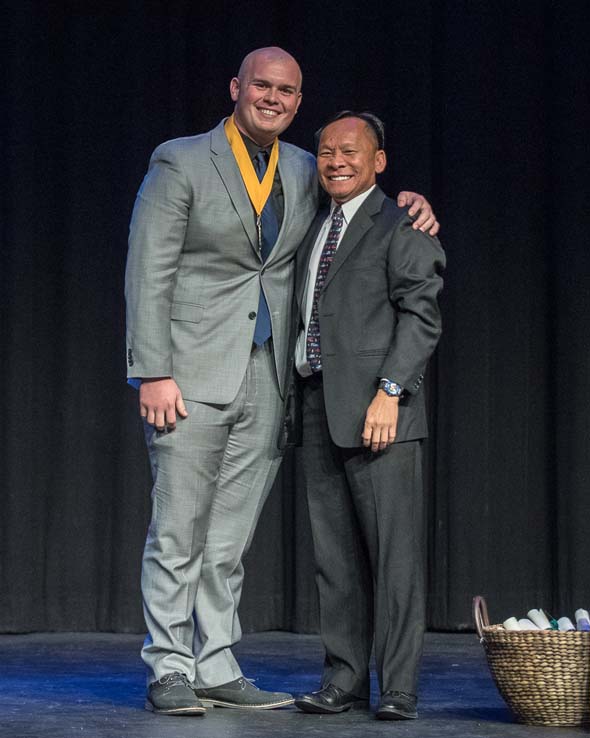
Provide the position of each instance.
(378, 314)
(193, 269)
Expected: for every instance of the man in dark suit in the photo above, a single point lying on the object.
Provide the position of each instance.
(367, 290)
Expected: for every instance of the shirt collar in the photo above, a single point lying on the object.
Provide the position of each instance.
(251, 146)
(350, 207)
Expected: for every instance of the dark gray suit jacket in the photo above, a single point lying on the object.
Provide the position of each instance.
(379, 316)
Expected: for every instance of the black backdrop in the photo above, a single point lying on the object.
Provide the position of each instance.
(487, 112)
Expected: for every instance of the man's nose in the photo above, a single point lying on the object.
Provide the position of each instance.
(336, 161)
(271, 95)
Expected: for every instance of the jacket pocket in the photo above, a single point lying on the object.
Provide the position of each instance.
(187, 311)
(373, 351)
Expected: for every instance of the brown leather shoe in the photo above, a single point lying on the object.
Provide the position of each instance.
(329, 700)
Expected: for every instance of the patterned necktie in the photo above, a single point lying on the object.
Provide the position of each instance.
(314, 349)
(270, 230)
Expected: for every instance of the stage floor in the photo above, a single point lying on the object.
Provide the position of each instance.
(59, 685)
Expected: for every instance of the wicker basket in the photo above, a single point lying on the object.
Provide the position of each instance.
(544, 675)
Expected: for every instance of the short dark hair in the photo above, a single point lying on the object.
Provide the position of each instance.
(374, 124)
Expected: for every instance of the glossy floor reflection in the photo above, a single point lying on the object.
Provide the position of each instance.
(61, 685)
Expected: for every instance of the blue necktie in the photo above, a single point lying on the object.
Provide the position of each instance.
(270, 231)
(313, 345)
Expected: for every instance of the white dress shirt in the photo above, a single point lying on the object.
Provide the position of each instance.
(348, 210)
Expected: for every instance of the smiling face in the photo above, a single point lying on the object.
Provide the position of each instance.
(348, 159)
(267, 93)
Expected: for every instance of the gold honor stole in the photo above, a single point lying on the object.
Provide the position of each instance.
(258, 191)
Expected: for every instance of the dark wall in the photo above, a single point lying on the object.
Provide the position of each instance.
(487, 114)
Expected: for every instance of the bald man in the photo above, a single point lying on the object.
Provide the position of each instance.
(209, 286)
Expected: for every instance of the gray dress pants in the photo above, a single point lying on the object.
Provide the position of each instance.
(211, 478)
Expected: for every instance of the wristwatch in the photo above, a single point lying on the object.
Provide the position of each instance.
(391, 389)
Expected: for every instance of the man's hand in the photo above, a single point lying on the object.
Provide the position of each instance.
(426, 220)
(381, 422)
(159, 402)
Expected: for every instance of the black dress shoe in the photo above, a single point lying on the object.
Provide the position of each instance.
(397, 706)
(329, 700)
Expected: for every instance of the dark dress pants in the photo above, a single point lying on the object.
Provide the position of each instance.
(366, 515)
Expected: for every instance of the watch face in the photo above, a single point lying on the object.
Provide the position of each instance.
(390, 388)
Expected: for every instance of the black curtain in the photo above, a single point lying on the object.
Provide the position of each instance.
(487, 112)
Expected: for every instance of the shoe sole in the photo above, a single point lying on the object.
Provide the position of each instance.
(395, 715)
(175, 710)
(237, 706)
(316, 709)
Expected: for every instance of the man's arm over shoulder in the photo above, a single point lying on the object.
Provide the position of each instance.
(415, 264)
(156, 238)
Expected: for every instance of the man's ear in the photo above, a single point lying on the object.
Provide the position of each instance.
(234, 89)
(380, 161)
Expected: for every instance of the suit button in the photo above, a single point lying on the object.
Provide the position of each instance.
(252, 315)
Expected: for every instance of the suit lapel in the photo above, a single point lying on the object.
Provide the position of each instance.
(289, 173)
(361, 222)
(289, 185)
(304, 253)
(225, 163)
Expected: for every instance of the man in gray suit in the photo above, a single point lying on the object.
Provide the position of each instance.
(367, 289)
(208, 287)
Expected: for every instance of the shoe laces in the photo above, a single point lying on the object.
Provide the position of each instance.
(405, 695)
(175, 679)
(242, 682)
(330, 689)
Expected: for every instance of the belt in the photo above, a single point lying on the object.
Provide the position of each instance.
(313, 379)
